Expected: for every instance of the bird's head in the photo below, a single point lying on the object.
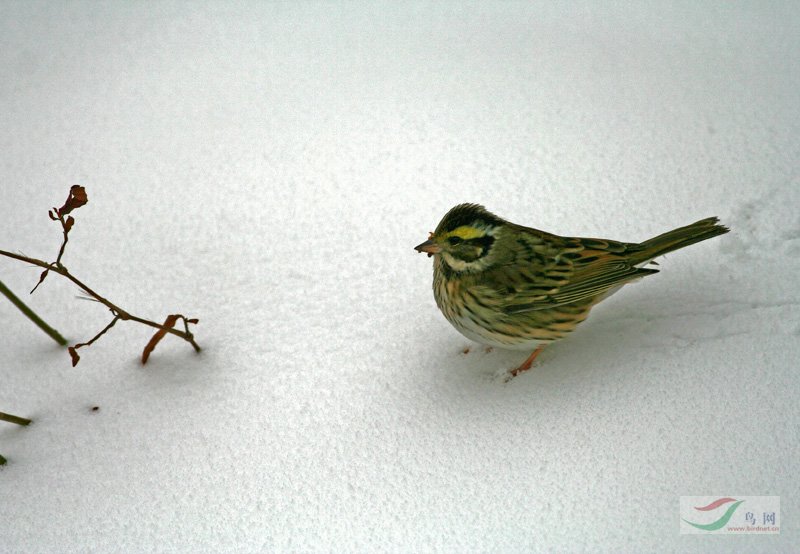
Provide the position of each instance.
(464, 238)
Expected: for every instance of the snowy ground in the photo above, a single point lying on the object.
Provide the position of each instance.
(268, 168)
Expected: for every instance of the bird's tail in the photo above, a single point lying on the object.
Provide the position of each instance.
(678, 238)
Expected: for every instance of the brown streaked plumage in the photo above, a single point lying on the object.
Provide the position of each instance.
(511, 286)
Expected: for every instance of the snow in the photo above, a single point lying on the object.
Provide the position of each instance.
(268, 169)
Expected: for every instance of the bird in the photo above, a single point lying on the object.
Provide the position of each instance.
(509, 286)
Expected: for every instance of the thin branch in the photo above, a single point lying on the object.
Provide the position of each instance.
(73, 350)
(55, 335)
(100, 334)
(65, 228)
(14, 419)
(116, 310)
(77, 198)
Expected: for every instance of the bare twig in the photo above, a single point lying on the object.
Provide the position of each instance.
(77, 198)
(12, 419)
(118, 312)
(73, 349)
(55, 335)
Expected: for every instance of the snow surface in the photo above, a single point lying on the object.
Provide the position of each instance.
(268, 168)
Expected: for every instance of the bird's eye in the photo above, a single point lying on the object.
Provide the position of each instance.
(455, 240)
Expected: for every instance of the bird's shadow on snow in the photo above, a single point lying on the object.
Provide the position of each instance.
(610, 345)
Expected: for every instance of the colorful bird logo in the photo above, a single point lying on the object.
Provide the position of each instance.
(722, 521)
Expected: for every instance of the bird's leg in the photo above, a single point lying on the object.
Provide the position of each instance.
(526, 365)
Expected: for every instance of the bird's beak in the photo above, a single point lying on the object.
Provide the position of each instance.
(429, 247)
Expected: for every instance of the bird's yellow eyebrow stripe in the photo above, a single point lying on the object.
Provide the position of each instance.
(466, 232)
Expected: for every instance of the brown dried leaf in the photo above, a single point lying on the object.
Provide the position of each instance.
(52, 214)
(41, 279)
(194, 320)
(77, 198)
(69, 223)
(160, 334)
(74, 354)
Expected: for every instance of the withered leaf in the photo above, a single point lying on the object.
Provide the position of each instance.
(156, 338)
(77, 198)
(69, 223)
(194, 320)
(74, 355)
(41, 279)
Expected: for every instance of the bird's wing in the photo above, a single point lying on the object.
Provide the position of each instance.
(559, 270)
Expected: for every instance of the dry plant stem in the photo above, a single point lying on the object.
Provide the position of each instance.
(118, 312)
(100, 334)
(55, 335)
(65, 230)
(14, 419)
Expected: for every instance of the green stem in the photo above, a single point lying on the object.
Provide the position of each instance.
(32, 316)
(14, 419)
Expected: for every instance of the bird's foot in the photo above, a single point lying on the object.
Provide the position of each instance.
(526, 365)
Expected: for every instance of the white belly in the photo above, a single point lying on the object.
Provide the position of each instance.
(476, 333)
